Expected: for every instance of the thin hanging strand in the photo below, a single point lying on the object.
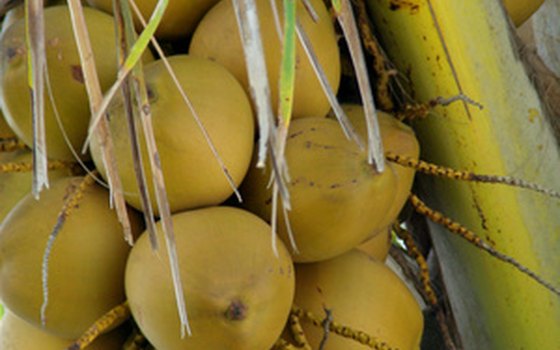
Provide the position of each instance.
(71, 203)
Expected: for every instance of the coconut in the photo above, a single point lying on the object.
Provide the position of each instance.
(192, 174)
(65, 75)
(337, 198)
(238, 293)
(86, 264)
(178, 21)
(17, 334)
(362, 294)
(217, 38)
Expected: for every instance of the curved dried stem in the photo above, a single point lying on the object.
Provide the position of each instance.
(449, 173)
(413, 252)
(415, 111)
(108, 321)
(471, 237)
(344, 331)
(296, 330)
(24, 167)
(11, 144)
(383, 94)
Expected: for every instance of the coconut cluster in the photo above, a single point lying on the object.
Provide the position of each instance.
(64, 262)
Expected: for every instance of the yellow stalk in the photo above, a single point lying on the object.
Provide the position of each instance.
(451, 47)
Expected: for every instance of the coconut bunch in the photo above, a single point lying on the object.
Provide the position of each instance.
(215, 175)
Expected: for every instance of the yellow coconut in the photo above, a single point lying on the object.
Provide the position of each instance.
(238, 293)
(193, 176)
(363, 294)
(18, 12)
(17, 334)
(16, 185)
(65, 75)
(521, 10)
(377, 246)
(217, 38)
(179, 20)
(337, 198)
(397, 138)
(86, 265)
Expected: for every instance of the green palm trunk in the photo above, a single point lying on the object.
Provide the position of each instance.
(445, 48)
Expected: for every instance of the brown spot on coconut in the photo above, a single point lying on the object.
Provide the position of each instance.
(69, 93)
(346, 203)
(236, 298)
